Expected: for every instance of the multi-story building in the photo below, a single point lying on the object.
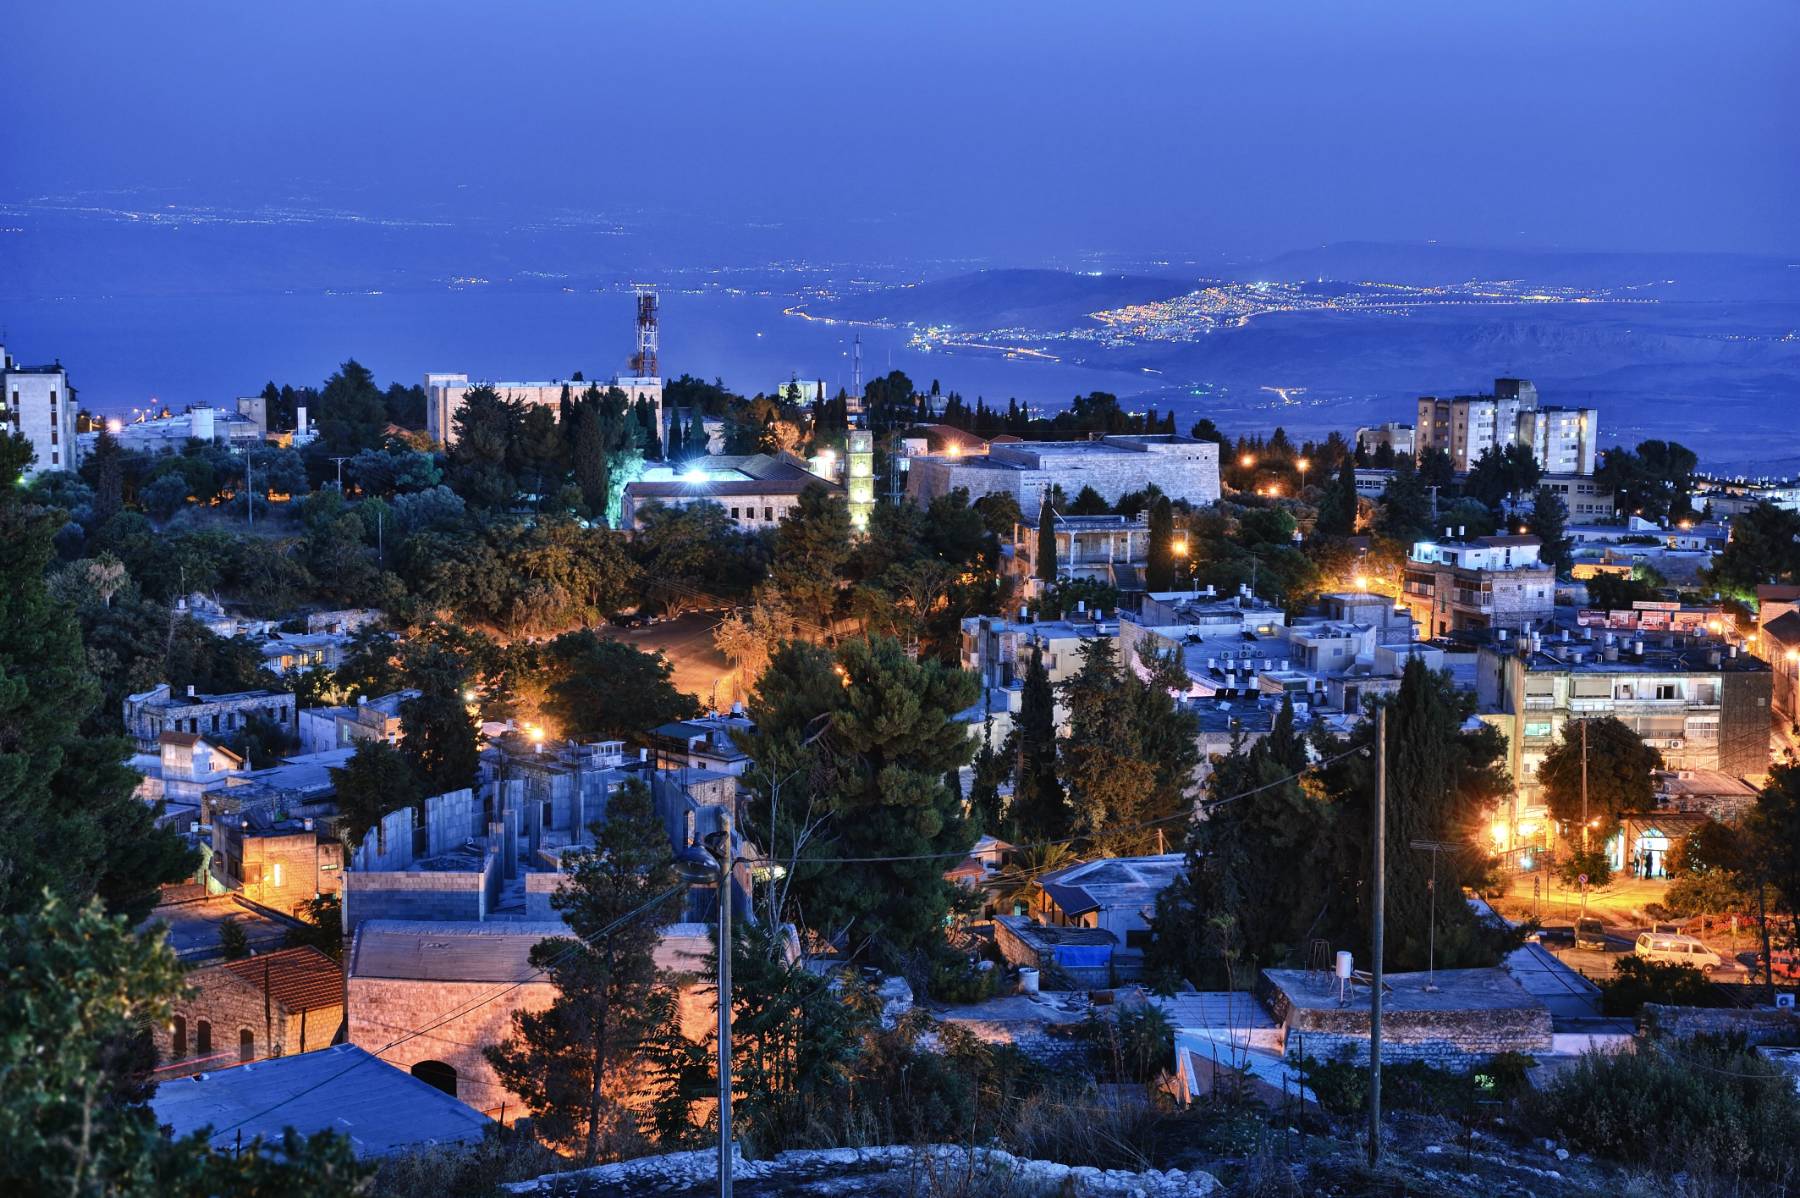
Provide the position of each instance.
(1562, 439)
(276, 861)
(1701, 703)
(1780, 644)
(153, 712)
(323, 729)
(445, 395)
(1483, 582)
(997, 648)
(1113, 549)
(36, 403)
(1586, 501)
(1397, 437)
(1181, 467)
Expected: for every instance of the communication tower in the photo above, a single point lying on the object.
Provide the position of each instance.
(643, 362)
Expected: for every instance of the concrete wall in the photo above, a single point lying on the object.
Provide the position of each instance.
(451, 820)
(421, 894)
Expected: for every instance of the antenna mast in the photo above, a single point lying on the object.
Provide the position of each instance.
(643, 362)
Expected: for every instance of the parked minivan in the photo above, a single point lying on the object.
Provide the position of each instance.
(1672, 949)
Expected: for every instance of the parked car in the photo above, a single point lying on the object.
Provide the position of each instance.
(1590, 934)
(1678, 950)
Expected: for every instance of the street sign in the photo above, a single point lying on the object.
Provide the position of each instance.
(1583, 879)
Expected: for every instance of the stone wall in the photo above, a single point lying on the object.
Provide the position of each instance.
(539, 886)
(1450, 1037)
(1759, 1026)
(382, 1010)
(232, 1006)
(451, 820)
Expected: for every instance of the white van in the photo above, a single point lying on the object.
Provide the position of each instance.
(1672, 949)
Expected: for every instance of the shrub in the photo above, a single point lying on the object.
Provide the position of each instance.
(959, 980)
(1696, 1106)
(1341, 1087)
(234, 945)
(1136, 1045)
(1636, 981)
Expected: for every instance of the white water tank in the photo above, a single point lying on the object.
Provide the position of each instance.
(1345, 963)
(1028, 981)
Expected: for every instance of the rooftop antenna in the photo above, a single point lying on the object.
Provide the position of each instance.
(643, 362)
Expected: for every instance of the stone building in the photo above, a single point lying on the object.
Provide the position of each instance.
(1481, 582)
(755, 490)
(325, 728)
(150, 714)
(1182, 467)
(462, 981)
(273, 1005)
(446, 393)
(1112, 549)
(1471, 1015)
(275, 862)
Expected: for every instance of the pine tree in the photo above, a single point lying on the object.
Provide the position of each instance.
(438, 734)
(1337, 513)
(1039, 810)
(563, 1061)
(69, 820)
(1103, 767)
(1159, 570)
(1046, 545)
(1549, 523)
(1406, 508)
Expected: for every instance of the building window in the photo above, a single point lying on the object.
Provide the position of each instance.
(734, 514)
(768, 515)
(246, 1046)
(1137, 937)
(178, 1037)
(438, 1074)
(203, 1038)
(278, 873)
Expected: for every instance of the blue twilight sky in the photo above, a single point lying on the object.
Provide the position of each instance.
(1001, 129)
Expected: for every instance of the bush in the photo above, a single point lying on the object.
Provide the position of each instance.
(959, 980)
(1636, 981)
(1136, 1045)
(234, 945)
(1702, 1107)
(1342, 1087)
(466, 1171)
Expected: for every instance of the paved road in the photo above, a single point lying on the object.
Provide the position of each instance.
(687, 641)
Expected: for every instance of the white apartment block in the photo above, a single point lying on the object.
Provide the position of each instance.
(1562, 439)
(445, 395)
(35, 403)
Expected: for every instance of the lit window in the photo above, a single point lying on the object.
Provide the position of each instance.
(278, 874)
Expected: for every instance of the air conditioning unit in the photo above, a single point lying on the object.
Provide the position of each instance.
(1784, 1002)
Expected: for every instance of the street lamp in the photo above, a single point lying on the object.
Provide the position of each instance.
(1301, 464)
(714, 863)
(1247, 461)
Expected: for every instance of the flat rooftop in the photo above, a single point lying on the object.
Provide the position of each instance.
(449, 951)
(1457, 990)
(383, 1109)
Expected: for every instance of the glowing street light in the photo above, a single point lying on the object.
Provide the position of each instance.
(1247, 461)
(1180, 547)
(1362, 582)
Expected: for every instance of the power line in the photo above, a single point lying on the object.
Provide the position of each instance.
(467, 1008)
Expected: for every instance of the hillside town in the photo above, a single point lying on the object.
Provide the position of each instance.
(423, 763)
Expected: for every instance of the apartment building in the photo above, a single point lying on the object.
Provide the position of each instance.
(35, 403)
(1458, 584)
(1701, 703)
(1113, 549)
(1564, 440)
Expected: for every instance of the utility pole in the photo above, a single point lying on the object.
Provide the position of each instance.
(249, 494)
(340, 465)
(1584, 819)
(725, 863)
(1434, 847)
(1379, 895)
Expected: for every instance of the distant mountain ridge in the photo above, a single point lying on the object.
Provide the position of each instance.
(1426, 264)
(1041, 301)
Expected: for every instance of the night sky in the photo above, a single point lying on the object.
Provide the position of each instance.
(1000, 129)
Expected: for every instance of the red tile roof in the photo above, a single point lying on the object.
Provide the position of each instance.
(300, 979)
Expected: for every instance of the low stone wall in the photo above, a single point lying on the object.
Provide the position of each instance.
(539, 886)
(883, 1171)
(1760, 1026)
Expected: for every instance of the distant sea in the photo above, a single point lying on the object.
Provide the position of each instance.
(127, 352)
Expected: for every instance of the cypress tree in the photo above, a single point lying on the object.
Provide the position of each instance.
(1039, 811)
(1159, 571)
(1549, 523)
(1337, 514)
(1046, 546)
